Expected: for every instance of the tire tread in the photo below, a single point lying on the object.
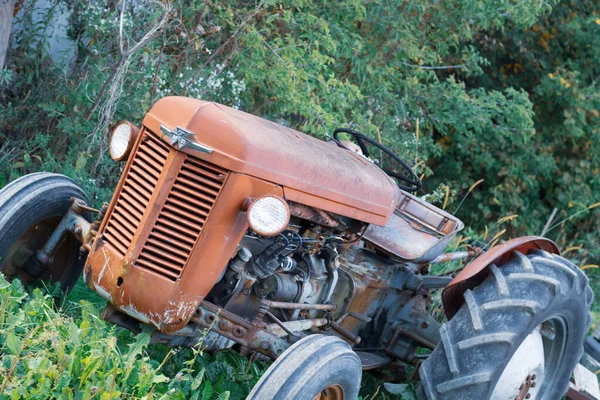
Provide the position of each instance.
(524, 289)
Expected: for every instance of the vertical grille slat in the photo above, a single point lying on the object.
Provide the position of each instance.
(159, 227)
(129, 217)
(147, 162)
(183, 195)
(135, 202)
(176, 203)
(122, 226)
(216, 171)
(178, 214)
(161, 271)
(191, 188)
(184, 212)
(115, 243)
(157, 157)
(159, 237)
(164, 255)
(198, 181)
(118, 233)
(143, 190)
(129, 209)
(160, 145)
(134, 196)
(141, 181)
(145, 168)
(166, 246)
(182, 218)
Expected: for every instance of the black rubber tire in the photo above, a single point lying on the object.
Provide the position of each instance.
(479, 341)
(308, 367)
(34, 198)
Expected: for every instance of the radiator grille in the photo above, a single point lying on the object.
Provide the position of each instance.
(182, 218)
(139, 184)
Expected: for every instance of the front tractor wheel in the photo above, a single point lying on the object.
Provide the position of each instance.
(518, 335)
(31, 207)
(316, 367)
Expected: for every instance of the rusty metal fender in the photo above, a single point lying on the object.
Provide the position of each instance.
(476, 271)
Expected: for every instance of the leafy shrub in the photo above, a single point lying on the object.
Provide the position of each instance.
(71, 353)
(500, 91)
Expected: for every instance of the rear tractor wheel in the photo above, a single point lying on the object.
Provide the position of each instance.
(31, 207)
(519, 335)
(317, 367)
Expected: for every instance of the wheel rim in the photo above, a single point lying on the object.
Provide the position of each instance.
(333, 392)
(13, 266)
(531, 371)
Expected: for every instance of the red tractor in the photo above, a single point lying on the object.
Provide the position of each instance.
(236, 232)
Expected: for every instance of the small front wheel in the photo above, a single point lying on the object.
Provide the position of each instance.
(30, 209)
(315, 367)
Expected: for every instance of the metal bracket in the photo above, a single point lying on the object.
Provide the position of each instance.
(74, 223)
(233, 327)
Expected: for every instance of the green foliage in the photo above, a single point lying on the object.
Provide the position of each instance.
(556, 62)
(70, 353)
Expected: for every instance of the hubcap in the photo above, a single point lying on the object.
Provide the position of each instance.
(531, 370)
(15, 264)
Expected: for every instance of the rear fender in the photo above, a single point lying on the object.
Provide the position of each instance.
(476, 271)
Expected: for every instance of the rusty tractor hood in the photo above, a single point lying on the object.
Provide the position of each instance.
(311, 171)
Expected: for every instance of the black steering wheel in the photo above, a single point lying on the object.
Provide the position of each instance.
(411, 184)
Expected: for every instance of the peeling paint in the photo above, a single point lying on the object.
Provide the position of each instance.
(179, 310)
(102, 292)
(101, 274)
(131, 311)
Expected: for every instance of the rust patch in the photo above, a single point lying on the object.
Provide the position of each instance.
(417, 231)
(476, 272)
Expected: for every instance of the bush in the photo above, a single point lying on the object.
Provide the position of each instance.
(70, 353)
(507, 95)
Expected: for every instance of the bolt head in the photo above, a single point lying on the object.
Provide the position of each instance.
(224, 325)
(244, 254)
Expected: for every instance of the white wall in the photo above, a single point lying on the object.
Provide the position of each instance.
(59, 46)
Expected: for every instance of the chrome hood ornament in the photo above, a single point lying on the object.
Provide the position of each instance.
(181, 138)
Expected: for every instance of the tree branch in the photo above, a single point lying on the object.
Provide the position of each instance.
(126, 54)
(121, 48)
(237, 31)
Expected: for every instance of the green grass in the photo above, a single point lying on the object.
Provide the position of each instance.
(55, 347)
(62, 349)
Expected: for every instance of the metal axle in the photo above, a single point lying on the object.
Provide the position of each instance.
(72, 223)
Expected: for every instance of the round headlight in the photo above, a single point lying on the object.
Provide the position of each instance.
(268, 215)
(122, 140)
